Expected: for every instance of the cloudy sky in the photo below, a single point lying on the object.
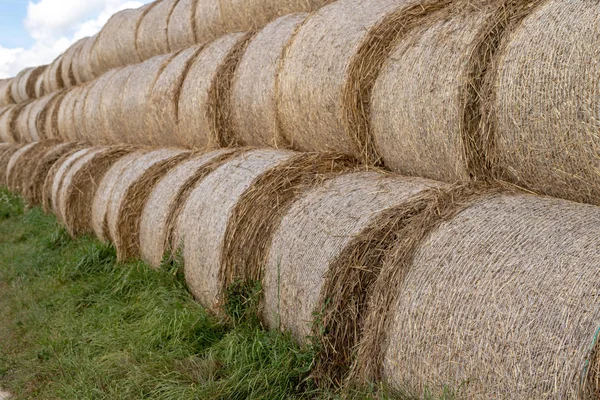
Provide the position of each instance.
(35, 32)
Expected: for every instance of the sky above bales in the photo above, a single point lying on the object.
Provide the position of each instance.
(36, 32)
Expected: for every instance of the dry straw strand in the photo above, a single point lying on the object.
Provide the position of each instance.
(19, 167)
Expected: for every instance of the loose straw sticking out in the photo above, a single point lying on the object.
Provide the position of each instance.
(254, 89)
(136, 95)
(67, 68)
(111, 112)
(164, 99)
(206, 215)
(19, 168)
(80, 184)
(35, 186)
(102, 197)
(208, 23)
(180, 30)
(325, 255)
(130, 194)
(494, 303)
(152, 37)
(93, 125)
(545, 114)
(6, 154)
(330, 67)
(165, 203)
(204, 103)
(51, 176)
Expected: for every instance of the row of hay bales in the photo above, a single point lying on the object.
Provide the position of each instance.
(433, 287)
(134, 35)
(451, 91)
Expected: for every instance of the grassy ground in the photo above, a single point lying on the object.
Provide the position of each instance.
(76, 325)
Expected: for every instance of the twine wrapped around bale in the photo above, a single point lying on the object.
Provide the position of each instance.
(80, 184)
(204, 102)
(544, 114)
(21, 164)
(130, 194)
(325, 255)
(180, 30)
(92, 119)
(152, 37)
(111, 112)
(207, 213)
(67, 67)
(493, 302)
(330, 67)
(5, 92)
(208, 22)
(162, 210)
(163, 105)
(102, 197)
(136, 97)
(34, 189)
(254, 90)
(82, 64)
(429, 123)
(6, 153)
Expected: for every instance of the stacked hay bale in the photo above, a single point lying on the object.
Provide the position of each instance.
(80, 183)
(40, 90)
(21, 122)
(488, 299)
(204, 103)
(82, 64)
(6, 128)
(65, 124)
(152, 36)
(163, 104)
(180, 29)
(223, 228)
(429, 124)
(129, 195)
(6, 153)
(53, 75)
(111, 111)
(50, 117)
(92, 123)
(254, 88)
(544, 114)
(5, 92)
(159, 218)
(67, 67)
(23, 85)
(330, 67)
(23, 162)
(208, 22)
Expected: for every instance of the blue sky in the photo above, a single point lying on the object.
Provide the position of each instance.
(12, 29)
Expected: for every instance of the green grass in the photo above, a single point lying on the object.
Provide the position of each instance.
(74, 324)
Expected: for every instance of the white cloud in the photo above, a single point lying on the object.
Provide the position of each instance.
(55, 25)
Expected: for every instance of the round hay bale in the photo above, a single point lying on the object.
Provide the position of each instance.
(544, 114)
(330, 67)
(103, 196)
(53, 75)
(80, 184)
(495, 303)
(152, 37)
(5, 92)
(32, 81)
(92, 128)
(37, 108)
(35, 185)
(204, 102)
(5, 155)
(22, 122)
(66, 130)
(67, 69)
(180, 30)
(254, 89)
(206, 215)
(82, 64)
(40, 90)
(19, 167)
(79, 117)
(3, 135)
(130, 194)
(6, 133)
(110, 107)
(44, 107)
(51, 116)
(325, 255)
(165, 203)
(16, 123)
(163, 103)
(136, 98)
(18, 85)
(208, 22)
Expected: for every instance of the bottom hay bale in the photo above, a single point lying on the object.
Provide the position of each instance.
(80, 184)
(5, 155)
(130, 193)
(102, 197)
(22, 162)
(325, 254)
(162, 210)
(35, 182)
(497, 301)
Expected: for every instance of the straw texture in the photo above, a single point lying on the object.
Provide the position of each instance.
(46, 193)
(545, 113)
(5, 92)
(180, 31)
(152, 37)
(82, 68)
(6, 153)
(50, 117)
(67, 68)
(208, 22)
(498, 303)
(330, 67)
(254, 88)
(92, 128)
(16, 160)
(7, 118)
(204, 103)
(163, 107)
(206, 215)
(129, 195)
(21, 123)
(165, 203)
(111, 112)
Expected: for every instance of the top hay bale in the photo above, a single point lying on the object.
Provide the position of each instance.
(67, 67)
(82, 63)
(330, 67)
(180, 30)
(254, 88)
(208, 21)
(204, 102)
(152, 37)
(23, 86)
(545, 113)
(495, 303)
